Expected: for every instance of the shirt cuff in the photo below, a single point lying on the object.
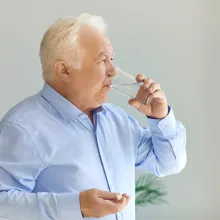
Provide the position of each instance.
(69, 206)
(166, 125)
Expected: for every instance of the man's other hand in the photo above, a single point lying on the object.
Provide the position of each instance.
(96, 203)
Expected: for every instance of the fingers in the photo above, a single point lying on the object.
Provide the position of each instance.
(121, 204)
(148, 82)
(97, 203)
(144, 108)
(140, 78)
(158, 95)
(114, 207)
(153, 87)
(127, 198)
(123, 195)
(118, 204)
(106, 195)
(143, 92)
(148, 91)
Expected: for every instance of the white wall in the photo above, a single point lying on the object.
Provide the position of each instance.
(174, 42)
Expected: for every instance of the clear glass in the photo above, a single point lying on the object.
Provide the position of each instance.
(125, 83)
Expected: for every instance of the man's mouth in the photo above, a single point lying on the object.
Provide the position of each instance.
(108, 85)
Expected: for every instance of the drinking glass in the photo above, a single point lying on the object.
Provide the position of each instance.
(126, 84)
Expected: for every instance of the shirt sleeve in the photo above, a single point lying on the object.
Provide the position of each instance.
(20, 166)
(161, 150)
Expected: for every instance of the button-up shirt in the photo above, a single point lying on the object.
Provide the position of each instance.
(50, 151)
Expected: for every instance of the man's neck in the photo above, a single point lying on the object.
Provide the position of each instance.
(76, 101)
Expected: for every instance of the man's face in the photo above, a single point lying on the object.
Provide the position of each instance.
(92, 80)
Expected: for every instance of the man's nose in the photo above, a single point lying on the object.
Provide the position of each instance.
(113, 70)
(111, 73)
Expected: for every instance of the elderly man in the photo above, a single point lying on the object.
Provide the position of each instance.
(66, 155)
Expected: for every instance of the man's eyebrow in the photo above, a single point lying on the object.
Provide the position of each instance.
(102, 54)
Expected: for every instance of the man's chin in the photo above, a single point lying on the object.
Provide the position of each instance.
(101, 100)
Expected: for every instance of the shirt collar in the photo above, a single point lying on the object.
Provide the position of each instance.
(65, 108)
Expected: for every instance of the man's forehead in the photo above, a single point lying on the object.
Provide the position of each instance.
(102, 45)
(96, 41)
(100, 49)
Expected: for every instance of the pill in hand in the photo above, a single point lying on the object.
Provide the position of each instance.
(119, 197)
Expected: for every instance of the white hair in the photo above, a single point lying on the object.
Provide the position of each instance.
(60, 42)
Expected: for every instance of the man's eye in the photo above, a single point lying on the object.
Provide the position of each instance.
(105, 60)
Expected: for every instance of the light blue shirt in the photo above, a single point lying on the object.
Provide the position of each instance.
(50, 152)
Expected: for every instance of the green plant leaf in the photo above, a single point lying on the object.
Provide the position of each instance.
(150, 189)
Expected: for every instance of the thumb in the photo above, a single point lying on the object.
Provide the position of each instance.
(107, 195)
(134, 103)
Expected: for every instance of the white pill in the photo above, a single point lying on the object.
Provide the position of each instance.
(119, 197)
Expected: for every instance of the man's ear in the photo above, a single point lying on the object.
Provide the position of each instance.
(61, 70)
